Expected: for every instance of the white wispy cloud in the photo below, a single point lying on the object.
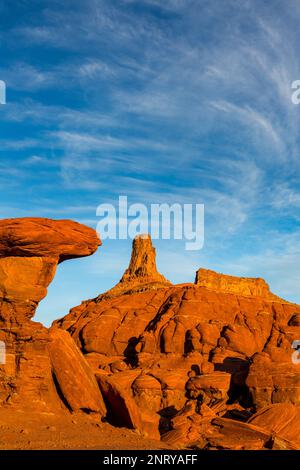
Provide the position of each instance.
(174, 101)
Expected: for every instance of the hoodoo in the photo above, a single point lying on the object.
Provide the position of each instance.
(142, 273)
(40, 366)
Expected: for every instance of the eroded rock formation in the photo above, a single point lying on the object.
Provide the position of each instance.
(223, 340)
(40, 367)
(30, 249)
(206, 365)
(141, 273)
(245, 286)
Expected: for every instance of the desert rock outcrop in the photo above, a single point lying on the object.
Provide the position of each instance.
(207, 365)
(40, 366)
(73, 374)
(142, 273)
(30, 249)
(245, 286)
(197, 342)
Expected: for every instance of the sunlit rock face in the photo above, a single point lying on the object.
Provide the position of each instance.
(39, 365)
(142, 273)
(188, 353)
(207, 365)
(245, 286)
(30, 249)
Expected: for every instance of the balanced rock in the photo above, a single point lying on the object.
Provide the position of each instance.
(30, 249)
(58, 239)
(42, 371)
(123, 409)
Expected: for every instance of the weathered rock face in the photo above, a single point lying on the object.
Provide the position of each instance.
(282, 420)
(168, 344)
(30, 250)
(204, 428)
(245, 286)
(41, 368)
(192, 363)
(274, 381)
(23, 284)
(26, 381)
(58, 239)
(209, 388)
(197, 425)
(74, 377)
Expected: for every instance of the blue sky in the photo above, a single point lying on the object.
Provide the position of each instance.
(183, 101)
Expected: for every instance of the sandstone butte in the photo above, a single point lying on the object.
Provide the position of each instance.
(204, 365)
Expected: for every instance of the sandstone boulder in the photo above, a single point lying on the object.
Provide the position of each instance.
(39, 237)
(209, 388)
(282, 420)
(30, 249)
(73, 375)
(123, 410)
(271, 382)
